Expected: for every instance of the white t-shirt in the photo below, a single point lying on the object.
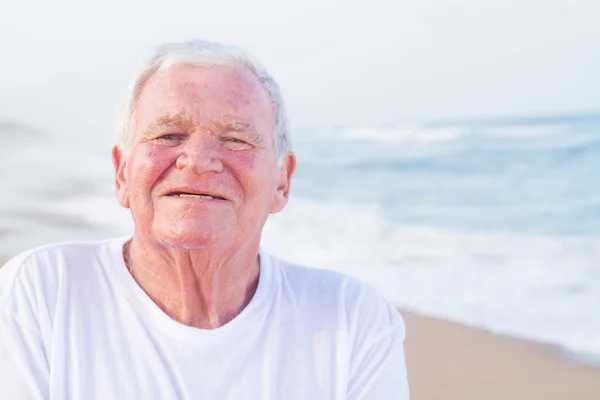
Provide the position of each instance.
(74, 324)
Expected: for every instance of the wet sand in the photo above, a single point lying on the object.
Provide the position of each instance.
(450, 361)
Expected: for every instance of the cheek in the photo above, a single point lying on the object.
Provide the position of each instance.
(245, 160)
(149, 166)
(254, 171)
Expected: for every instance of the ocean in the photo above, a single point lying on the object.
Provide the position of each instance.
(490, 223)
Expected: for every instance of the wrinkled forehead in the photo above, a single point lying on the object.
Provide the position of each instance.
(206, 95)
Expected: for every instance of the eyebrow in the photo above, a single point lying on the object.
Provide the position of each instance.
(234, 125)
(169, 121)
(190, 123)
(239, 126)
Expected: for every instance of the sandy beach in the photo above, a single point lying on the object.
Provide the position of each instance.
(450, 361)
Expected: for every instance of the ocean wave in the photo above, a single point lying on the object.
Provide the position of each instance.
(400, 135)
(533, 286)
(548, 132)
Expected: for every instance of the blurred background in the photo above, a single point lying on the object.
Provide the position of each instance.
(448, 150)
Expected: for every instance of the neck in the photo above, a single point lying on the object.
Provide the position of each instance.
(204, 288)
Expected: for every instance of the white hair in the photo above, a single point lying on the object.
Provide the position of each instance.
(203, 53)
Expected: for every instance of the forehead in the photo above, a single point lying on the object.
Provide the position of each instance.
(205, 94)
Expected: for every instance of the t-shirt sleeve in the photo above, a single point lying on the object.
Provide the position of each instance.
(378, 365)
(23, 363)
(23, 368)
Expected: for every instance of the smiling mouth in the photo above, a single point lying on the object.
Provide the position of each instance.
(195, 195)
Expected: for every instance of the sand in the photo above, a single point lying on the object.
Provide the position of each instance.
(450, 361)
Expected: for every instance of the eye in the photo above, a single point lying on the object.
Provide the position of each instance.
(235, 140)
(234, 143)
(169, 137)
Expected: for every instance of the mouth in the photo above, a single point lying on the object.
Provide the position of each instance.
(195, 195)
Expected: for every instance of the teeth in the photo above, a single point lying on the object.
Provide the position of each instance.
(202, 196)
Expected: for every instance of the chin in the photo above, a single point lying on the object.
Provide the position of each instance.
(191, 237)
(190, 241)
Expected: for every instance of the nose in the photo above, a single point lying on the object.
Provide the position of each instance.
(199, 155)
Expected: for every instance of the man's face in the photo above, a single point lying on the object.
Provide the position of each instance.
(202, 167)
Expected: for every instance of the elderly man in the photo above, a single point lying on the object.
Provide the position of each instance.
(190, 306)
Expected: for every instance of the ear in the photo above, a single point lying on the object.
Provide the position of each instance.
(286, 171)
(119, 164)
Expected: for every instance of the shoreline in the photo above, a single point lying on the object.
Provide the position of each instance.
(588, 360)
(447, 360)
(555, 349)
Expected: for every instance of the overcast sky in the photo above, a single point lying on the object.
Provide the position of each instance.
(65, 63)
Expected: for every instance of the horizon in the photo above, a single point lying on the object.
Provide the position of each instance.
(7, 124)
(357, 64)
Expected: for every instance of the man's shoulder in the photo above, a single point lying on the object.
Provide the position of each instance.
(331, 286)
(45, 264)
(315, 278)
